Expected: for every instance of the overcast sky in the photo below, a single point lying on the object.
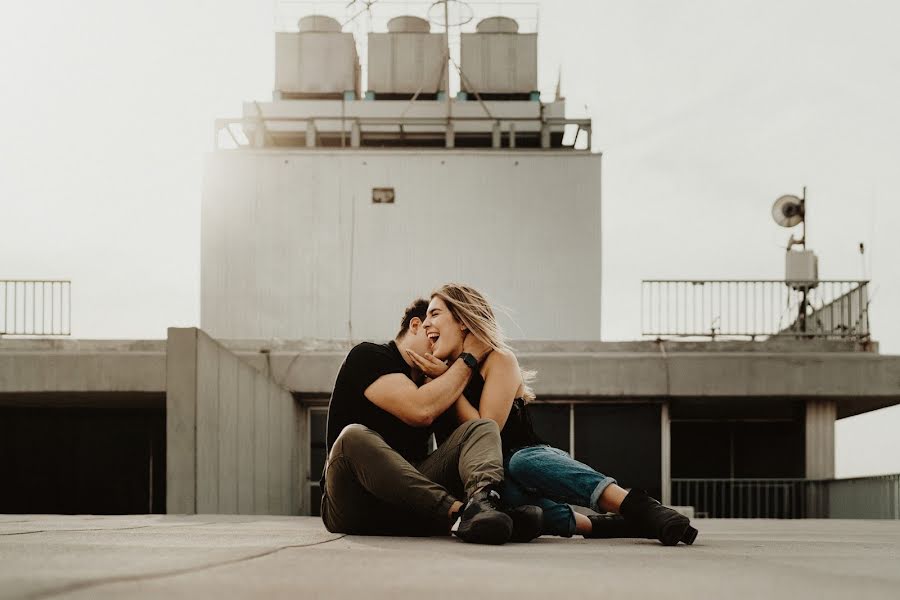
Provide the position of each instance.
(706, 111)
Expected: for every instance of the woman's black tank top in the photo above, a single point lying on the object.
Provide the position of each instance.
(518, 432)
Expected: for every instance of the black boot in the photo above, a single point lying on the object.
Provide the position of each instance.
(528, 522)
(611, 526)
(481, 520)
(647, 516)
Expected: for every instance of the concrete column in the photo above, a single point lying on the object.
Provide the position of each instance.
(665, 428)
(512, 135)
(820, 417)
(496, 135)
(234, 442)
(450, 136)
(181, 420)
(355, 137)
(545, 136)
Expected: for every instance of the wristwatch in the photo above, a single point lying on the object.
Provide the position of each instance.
(470, 360)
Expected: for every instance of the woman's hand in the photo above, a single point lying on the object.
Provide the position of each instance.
(428, 364)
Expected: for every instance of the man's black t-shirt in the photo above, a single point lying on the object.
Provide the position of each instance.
(366, 363)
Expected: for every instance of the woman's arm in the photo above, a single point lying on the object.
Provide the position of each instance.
(502, 379)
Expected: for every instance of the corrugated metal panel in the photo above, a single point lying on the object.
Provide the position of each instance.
(499, 63)
(316, 63)
(401, 63)
(293, 247)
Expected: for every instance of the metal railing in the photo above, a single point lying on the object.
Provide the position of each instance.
(875, 497)
(351, 130)
(742, 498)
(865, 497)
(755, 308)
(35, 307)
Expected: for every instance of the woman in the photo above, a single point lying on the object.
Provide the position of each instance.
(535, 472)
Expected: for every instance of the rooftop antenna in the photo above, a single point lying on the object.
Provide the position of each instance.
(366, 8)
(439, 14)
(559, 95)
(801, 267)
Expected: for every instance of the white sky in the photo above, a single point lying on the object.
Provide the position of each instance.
(705, 110)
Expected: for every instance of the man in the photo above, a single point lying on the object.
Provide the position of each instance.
(379, 479)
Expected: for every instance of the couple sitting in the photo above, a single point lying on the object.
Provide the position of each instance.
(491, 479)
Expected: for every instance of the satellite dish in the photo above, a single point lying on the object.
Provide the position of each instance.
(788, 211)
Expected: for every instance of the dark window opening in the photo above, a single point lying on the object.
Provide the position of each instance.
(622, 441)
(101, 461)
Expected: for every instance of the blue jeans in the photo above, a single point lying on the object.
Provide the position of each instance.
(550, 478)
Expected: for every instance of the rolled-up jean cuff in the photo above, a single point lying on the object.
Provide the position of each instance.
(598, 491)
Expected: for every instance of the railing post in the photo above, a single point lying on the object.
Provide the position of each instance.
(355, 135)
(310, 134)
(545, 135)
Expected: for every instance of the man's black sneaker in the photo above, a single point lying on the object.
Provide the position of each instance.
(481, 521)
(617, 526)
(528, 523)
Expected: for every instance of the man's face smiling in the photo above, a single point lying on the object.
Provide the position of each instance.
(417, 339)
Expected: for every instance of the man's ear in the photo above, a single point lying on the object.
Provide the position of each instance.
(414, 325)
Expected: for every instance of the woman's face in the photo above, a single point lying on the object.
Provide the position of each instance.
(444, 331)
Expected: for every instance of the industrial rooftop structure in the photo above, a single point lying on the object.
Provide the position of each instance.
(393, 158)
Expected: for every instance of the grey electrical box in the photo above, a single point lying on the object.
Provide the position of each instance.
(802, 266)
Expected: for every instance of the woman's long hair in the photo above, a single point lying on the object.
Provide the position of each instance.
(471, 308)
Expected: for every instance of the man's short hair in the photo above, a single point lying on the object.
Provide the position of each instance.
(418, 308)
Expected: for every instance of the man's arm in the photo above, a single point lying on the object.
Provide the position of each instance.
(419, 406)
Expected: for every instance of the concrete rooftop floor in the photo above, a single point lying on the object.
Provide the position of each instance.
(215, 556)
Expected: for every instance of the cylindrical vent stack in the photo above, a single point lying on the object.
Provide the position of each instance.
(319, 23)
(408, 24)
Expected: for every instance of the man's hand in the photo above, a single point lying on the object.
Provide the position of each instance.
(476, 347)
(428, 364)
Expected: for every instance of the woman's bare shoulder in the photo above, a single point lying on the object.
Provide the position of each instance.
(501, 360)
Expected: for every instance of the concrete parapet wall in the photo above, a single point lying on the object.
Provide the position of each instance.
(29, 368)
(233, 435)
(857, 381)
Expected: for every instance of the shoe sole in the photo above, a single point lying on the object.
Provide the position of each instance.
(493, 529)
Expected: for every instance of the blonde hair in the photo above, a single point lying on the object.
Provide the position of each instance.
(471, 308)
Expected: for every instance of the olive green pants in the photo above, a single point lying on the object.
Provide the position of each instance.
(371, 490)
